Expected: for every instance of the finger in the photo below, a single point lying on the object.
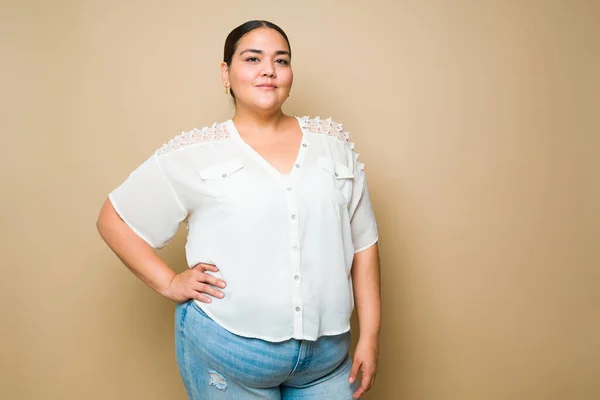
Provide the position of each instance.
(207, 289)
(201, 297)
(373, 378)
(206, 267)
(354, 371)
(366, 379)
(211, 279)
(362, 388)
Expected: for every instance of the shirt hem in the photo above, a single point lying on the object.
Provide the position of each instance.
(144, 238)
(268, 338)
(366, 247)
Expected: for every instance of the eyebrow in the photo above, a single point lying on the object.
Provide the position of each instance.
(277, 53)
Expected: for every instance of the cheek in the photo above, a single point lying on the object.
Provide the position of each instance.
(244, 76)
(286, 77)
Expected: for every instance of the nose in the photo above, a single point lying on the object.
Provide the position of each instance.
(268, 71)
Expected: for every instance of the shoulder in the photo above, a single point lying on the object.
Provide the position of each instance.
(217, 132)
(327, 128)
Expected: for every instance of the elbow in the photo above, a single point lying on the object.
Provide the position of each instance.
(100, 225)
(101, 222)
(104, 217)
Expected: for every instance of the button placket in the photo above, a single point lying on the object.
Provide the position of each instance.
(294, 235)
(295, 254)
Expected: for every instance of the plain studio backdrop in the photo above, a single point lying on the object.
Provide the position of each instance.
(478, 124)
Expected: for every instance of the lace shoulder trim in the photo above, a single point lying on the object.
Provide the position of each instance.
(330, 128)
(214, 133)
(327, 127)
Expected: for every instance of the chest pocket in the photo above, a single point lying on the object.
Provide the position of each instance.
(338, 179)
(223, 181)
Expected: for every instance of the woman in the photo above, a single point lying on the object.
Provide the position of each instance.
(282, 240)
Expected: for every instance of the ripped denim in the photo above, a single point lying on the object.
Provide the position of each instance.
(217, 364)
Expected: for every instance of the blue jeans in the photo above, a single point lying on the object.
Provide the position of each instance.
(217, 364)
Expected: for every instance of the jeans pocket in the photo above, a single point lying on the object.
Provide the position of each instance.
(181, 311)
(199, 309)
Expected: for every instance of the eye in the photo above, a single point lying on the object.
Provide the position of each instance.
(283, 62)
(252, 59)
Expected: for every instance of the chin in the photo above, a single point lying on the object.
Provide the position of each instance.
(268, 104)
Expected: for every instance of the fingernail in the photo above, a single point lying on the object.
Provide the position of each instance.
(222, 284)
(351, 380)
(221, 295)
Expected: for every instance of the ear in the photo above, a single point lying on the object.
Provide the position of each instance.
(225, 74)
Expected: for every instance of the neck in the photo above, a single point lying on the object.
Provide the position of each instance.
(251, 120)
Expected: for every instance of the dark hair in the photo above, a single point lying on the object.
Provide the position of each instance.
(235, 35)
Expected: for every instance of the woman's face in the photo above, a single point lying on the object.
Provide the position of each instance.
(260, 73)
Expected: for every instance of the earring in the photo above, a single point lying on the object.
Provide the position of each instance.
(226, 90)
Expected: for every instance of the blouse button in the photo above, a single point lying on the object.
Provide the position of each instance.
(293, 216)
(336, 174)
(295, 248)
(297, 165)
(304, 145)
(297, 309)
(296, 278)
(224, 176)
(289, 189)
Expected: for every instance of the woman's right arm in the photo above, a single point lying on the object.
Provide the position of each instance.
(141, 259)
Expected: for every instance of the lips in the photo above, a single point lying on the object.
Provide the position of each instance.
(266, 86)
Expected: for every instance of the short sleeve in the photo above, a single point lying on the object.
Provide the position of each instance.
(362, 218)
(148, 204)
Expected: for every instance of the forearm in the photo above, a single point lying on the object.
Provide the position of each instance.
(134, 252)
(367, 292)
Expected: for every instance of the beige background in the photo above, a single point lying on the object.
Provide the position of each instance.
(478, 123)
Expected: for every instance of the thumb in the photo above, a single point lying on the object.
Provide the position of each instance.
(354, 371)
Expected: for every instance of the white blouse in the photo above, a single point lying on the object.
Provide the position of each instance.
(284, 243)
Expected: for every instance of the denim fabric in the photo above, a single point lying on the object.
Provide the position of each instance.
(217, 364)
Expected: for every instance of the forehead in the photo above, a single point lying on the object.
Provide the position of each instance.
(262, 39)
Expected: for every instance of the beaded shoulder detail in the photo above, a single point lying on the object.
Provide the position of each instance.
(333, 129)
(327, 127)
(214, 133)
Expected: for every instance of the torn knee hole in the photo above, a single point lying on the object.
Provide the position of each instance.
(217, 380)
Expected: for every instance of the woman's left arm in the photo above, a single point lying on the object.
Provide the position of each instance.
(367, 297)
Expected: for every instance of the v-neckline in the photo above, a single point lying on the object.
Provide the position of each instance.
(298, 163)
